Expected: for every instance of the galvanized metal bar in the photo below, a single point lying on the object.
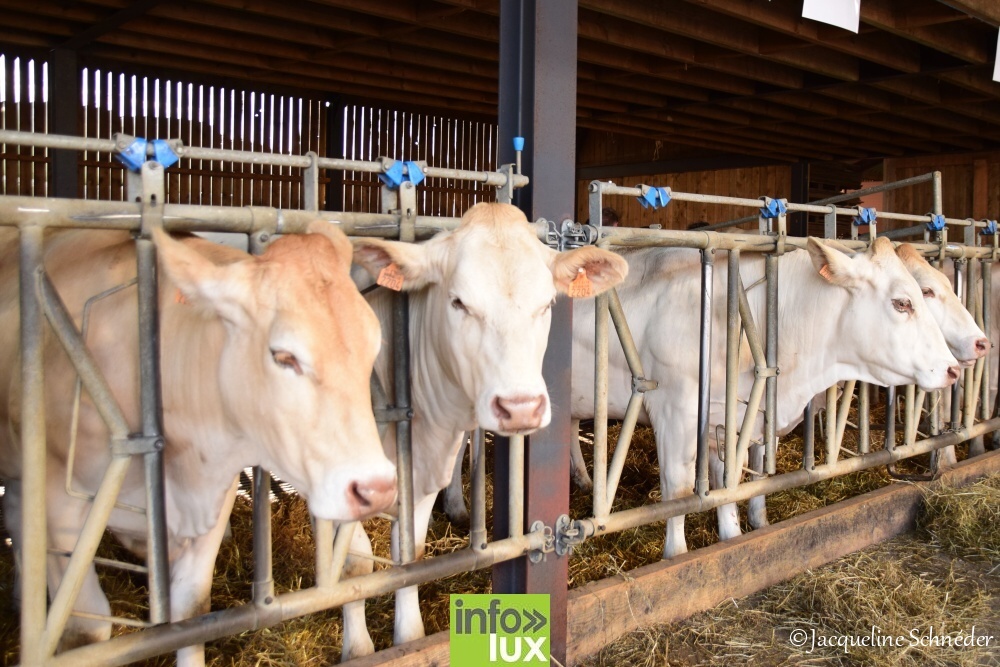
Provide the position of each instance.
(151, 405)
(404, 451)
(808, 438)
(987, 315)
(701, 484)
(771, 351)
(602, 501)
(832, 447)
(515, 497)
(625, 335)
(747, 428)
(86, 368)
(310, 183)
(956, 389)
(341, 549)
(33, 452)
(323, 532)
(845, 407)
(621, 448)
(263, 559)
(477, 536)
(911, 416)
(83, 552)
(155, 641)
(890, 418)
(731, 468)
(864, 418)
(969, 384)
(633, 518)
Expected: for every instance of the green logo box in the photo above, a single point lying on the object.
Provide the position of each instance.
(499, 630)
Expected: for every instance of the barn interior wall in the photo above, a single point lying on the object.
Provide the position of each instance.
(970, 184)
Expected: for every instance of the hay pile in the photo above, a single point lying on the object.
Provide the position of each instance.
(896, 587)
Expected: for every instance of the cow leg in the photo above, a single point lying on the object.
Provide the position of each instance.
(578, 466)
(409, 624)
(454, 500)
(758, 508)
(728, 515)
(357, 642)
(191, 578)
(675, 448)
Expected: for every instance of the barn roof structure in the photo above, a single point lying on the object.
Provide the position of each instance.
(723, 77)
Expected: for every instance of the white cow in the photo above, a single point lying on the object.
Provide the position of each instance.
(841, 317)
(265, 360)
(479, 321)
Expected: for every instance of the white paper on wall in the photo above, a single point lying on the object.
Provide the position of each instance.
(996, 64)
(844, 14)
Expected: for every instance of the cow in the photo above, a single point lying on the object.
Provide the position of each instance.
(841, 316)
(265, 361)
(479, 310)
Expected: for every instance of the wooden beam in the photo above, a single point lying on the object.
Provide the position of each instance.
(674, 166)
(132, 11)
(961, 40)
(984, 10)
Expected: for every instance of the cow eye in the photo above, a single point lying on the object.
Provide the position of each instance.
(457, 304)
(902, 305)
(286, 359)
(927, 292)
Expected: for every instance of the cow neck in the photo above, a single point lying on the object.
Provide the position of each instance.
(809, 355)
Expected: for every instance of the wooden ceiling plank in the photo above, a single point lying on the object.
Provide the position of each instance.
(984, 10)
(886, 50)
(133, 11)
(959, 40)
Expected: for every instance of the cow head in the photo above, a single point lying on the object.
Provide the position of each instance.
(885, 318)
(293, 373)
(488, 288)
(965, 339)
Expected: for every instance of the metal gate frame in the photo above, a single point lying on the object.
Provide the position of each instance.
(773, 241)
(40, 632)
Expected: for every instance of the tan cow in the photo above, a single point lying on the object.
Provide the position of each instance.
(265, 360)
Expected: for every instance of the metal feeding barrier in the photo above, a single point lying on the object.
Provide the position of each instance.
(145, 210)
(772, 240)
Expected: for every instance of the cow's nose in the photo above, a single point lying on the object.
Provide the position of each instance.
(953, 374)
(519, 413)
(370, 496)
(983, 346)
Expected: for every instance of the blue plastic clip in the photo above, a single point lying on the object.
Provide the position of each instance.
(133, 156)
(990, 229)
(414, 173)
(654, 197)
(519, 143)
(772, 208)
(393, 176)
(164, 154)
(936, 224)
(865, 216)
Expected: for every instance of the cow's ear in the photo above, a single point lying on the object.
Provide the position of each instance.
(831, 262)
(587, 271)
(221, 289)
(398, 265)
(341, 244)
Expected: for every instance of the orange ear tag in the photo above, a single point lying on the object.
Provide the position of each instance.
(391, 277)
(180, 298)
(581, 286)
(826, 273)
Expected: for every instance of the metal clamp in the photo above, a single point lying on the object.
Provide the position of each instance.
(538, 555)
(937, 222)
(570, 533)
(569, 235)
(396, 172)
(766, 371)
(133, 151)
(153, 198)
(642, 385)
(653, 197)
(136, 445)
(505, 192)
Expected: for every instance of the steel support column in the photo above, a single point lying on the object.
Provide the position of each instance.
(538, 102)
(64, 74)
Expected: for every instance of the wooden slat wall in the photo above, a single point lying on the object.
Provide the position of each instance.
(970, 185)
(443, 142)
(23, 169)
(247, 120)
(774, 181)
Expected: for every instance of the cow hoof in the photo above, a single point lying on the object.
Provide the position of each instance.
(460, 519)
(358, 649)
(583, 481)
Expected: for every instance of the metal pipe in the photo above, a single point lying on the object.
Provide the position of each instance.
(341, 549)
(602, 502)
(956, 389)
(969, 385)
(704, 371)
(832, 447)
(624, 334)
(515, 504)
(33, 451)
(730, 466)
(771, 334)
(845, 407)
(890, 418)
(864, 418)
(911, 416)
(808, 438)
(323, 536)
(633, 518)
(263, 559)
(622, 446)
(404, 452)
(155, 641)
(477, 536)
(157, 558)
(83, 552)
(987, 314)
(749, 417)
